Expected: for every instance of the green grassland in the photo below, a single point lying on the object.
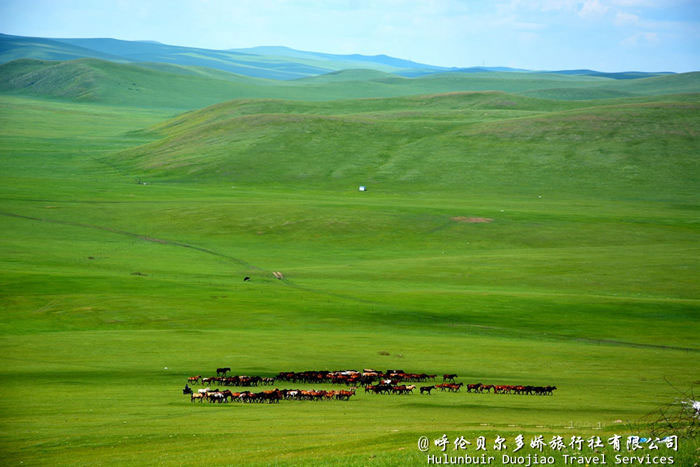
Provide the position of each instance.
(585, 278)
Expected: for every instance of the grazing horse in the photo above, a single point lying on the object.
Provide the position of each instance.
(424, 389)
(476, 387)
(345, 395)
(217, 397)
(222, 371)
(449, 377)
(194, 379)
(197, 396)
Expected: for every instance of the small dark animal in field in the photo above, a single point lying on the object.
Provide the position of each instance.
(91, 257)
(222, 371)
(187, 390)
(246, 279)
(476, 387)
(449, 377)
(138, 274)
(424, 389)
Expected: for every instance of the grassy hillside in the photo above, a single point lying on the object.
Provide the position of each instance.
(271, 62)
(263, 62)
(18, 47)
(112, 292)
(189, 87)
(460, 142)
(152, 85)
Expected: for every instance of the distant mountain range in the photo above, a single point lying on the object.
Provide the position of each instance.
(278, 63)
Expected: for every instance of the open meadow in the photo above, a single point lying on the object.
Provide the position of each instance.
(504, 237)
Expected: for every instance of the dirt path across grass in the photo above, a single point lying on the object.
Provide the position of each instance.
(286, 282)
(136, 235)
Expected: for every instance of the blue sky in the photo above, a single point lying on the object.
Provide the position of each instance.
(606, 35)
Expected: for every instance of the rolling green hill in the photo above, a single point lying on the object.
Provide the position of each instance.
(185, 87)
(264, 62)
(274, 62)
(18, 47)
(152, 85)
(476, 142)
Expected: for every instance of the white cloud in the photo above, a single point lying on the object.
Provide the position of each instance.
(640, 38)
(622, 18)
(636, 3)
(536, 5)
(592, 8)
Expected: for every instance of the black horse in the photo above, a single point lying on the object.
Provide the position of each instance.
(222, 371)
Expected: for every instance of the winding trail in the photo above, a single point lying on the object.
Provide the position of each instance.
(136, 235)
(288, 283)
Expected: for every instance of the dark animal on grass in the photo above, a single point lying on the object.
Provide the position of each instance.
(271, 397)
(345, 395)
(380, 388)
(222, 371)
(424, 389)
(449, 377)
(215, 397)
(187, 390)
(476, 387)
(246, 279)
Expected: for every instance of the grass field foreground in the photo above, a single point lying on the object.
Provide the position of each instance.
(588, 286)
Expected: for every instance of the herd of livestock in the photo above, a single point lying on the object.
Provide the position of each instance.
(374, 382)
